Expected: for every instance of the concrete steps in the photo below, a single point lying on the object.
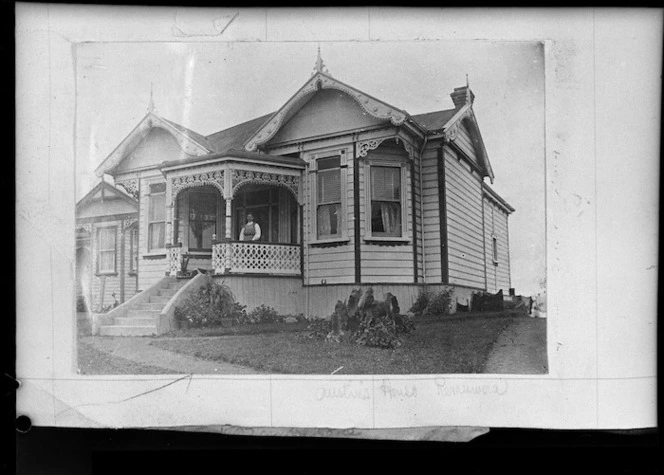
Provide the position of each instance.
(131, 330)
(151, 306)
(167, 292)
(134, 321)
(141, 320)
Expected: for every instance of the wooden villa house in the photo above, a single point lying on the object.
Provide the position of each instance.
(349, 191)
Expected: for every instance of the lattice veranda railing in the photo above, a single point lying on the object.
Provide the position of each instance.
(256, 258)
(174, 255)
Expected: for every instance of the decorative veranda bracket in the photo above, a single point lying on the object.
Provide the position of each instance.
(364, 146)
(243, 176)
(128, 223)
(86, 227)
(131, 187)
(214, 178)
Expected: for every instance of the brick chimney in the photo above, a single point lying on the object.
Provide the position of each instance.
(461, 95)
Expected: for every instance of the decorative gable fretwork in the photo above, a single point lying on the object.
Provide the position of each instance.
(240, 177)
(214, 178)
(131, 186)
(321, 80)
(452, 130)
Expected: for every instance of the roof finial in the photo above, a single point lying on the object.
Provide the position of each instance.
(151, 107)
(469, 97)
(320, 65)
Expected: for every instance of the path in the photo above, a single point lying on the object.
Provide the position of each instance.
(520, 349)
(140, 350)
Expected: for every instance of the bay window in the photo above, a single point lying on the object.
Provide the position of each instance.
(386, 201)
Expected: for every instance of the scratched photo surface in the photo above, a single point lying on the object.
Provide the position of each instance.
(311, 208)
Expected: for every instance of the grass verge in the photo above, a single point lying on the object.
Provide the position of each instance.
(443, 346)
(93, 361)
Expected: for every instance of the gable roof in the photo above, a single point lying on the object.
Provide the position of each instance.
(190, 142)
(322, 80)
(114, 193)
(448, 122)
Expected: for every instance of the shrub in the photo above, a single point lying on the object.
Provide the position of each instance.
(404, 323)
(439, 305)
(430, 304)
(421, 303)
(208, 306)
(264, 314)
(378, 333)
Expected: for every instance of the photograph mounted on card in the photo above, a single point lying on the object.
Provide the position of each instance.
(345, 219)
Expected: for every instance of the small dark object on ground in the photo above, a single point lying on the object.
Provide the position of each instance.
(486, 302)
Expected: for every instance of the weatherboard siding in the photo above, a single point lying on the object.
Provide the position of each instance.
(417, 223)
(498, 273)
(464, 223)
(431, 214)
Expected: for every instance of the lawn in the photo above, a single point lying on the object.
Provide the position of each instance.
(450, 345)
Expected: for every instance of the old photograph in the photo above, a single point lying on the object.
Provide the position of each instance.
(310, 208)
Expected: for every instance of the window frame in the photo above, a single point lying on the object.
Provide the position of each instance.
(342, 224)
(155, 250)
(403, 200)
(98, 250)
(494, 249)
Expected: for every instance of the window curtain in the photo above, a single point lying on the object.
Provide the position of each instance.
(328, 223)
(157, 232)
(329, 201)
(391, 215)
(386, 200)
